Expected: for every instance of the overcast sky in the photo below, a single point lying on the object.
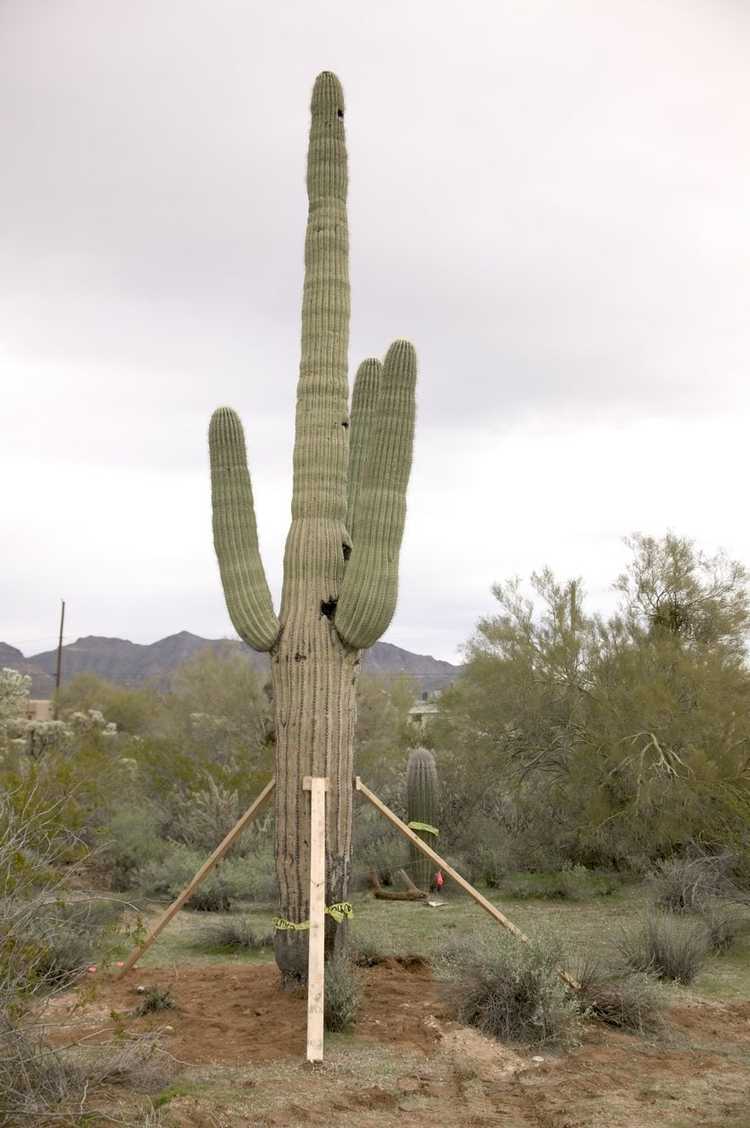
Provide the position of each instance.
(549, 197)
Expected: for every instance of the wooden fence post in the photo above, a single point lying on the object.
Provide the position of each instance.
(317, 786)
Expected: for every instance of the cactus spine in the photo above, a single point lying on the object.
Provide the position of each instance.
(422, 798)
(341, 556)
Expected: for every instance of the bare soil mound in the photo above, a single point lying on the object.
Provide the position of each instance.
(407, 1057)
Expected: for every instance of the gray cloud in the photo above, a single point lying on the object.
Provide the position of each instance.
(549, 199)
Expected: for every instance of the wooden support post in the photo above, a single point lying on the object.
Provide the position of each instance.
(317, 786)
(501, 918)
(202, 873)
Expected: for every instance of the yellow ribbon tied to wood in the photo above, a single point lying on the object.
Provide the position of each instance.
(338, 911)
(423, 826)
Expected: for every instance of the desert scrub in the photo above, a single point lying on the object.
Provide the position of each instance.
(236, 934)
(132, 841)
(681, 885)
(250, 878)
(724, 922)
(343, 993)
(509, 991)
(155, 998)
(667, 946)
(574, 884)
(629, 1000)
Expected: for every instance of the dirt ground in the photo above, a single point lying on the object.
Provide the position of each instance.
(240, 1042)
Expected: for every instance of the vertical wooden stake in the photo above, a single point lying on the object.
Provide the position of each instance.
(317, 786)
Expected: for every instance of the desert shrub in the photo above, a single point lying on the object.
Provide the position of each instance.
(131, 841)
(253, 877)
(688, 884)
(510, 991)
(61, 938)
(43, 1085)
(237, 933)
(575, 883)
(668, 946)
(47, 937)
(155, 999)
(724, 922)
(249, 878)
(376, 847)
(169, 876)
(629, 1000)
(206, 816)
(343, 993)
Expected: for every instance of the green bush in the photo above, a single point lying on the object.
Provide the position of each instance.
(169, 876)
(343, 993)
(510, 991)
(668, 946)
(250, 878)
(131, 841)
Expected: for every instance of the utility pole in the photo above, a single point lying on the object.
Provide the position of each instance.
(58, 674)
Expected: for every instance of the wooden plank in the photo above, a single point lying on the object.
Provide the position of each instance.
(500, 917)
(202, 873)
(317, 786)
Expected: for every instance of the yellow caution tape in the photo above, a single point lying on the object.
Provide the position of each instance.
(338, 911)
(423, 826)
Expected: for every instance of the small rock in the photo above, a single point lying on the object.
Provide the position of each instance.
(140, 989)
(167, 1029)
(537, 1059)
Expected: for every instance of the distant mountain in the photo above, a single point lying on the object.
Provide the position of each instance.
(42, 685)
(131, 663)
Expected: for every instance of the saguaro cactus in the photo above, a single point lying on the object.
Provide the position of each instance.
(341, 559)
(422, 799)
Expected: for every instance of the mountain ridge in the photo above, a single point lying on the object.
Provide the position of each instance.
(133, 663)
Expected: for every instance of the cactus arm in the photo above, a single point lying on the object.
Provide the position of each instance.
(315, 549)
(363, 415)
(370, 586)
(236, 536)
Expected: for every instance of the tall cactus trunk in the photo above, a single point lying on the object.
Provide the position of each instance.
(341, 557)
(314, 678)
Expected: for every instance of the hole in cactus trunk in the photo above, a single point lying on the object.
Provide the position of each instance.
(328, 609)
(347, 550)
(340, 113)
(345, 423)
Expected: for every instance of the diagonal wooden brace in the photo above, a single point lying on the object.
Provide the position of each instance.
(202, 873)
(501, 918)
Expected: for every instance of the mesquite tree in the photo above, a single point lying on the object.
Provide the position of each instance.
(351, 471)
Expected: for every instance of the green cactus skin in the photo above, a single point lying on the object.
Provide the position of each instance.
(422, 800)
(341, 556)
